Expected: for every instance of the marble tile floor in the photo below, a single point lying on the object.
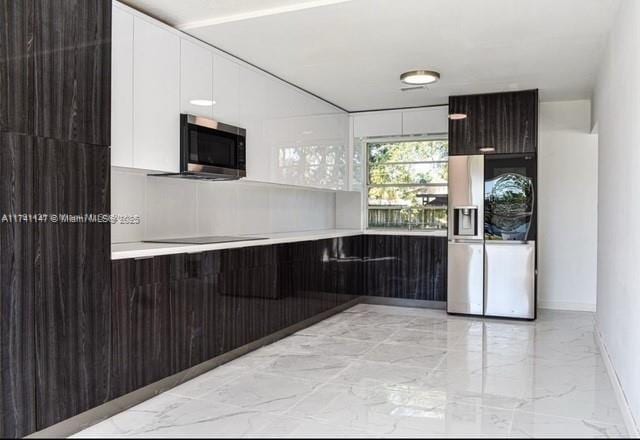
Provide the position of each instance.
(381, 371)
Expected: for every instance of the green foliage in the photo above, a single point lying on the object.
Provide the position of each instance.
(420, 164)
(386, 167)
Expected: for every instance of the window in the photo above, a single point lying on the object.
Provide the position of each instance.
(407, 184)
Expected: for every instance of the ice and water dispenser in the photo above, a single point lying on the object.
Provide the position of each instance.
(465, 221)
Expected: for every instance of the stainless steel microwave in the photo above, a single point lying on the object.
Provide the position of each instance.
(211, 150)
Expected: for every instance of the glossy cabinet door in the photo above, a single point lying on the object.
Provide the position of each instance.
(307, 139)
(377, 124)
(72, 280)
(56, 56)
(156, 97)
(140, 324)
(506, 122)
(408, 267)
(17, 267)
(226, 90)
(253, 113)
(196, 79)
(430, 121)
(194, 307)
(121, 88)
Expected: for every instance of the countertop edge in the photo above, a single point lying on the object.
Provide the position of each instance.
(148, 250)
(192, 249)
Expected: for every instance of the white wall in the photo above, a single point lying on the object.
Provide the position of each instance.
(181, 208)
(567, 206)
(617, 114)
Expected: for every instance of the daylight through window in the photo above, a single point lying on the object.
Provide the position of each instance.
(407, 184)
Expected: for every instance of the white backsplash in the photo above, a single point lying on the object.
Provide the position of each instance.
(180, 208)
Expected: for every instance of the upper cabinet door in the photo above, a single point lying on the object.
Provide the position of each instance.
(431, 120)
(156, 98)
(121, 88)
(506, 122)
(377, 124)
(196, 79)
(253, 113)
(226, 90)
(55, 69)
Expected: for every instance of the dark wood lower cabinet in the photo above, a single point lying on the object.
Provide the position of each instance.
(173, 312)
(407, 267)
(96, 341)
(141, 313)
(193, 322)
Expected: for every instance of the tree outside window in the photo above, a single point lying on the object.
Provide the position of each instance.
(407, 184)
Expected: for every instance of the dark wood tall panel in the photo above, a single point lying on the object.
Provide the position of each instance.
(17, 66)
(72, 90)
(507, 121)
(72, 280)
(17, 256)
(55, 78)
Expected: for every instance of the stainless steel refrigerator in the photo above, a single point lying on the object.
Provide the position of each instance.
(492, 236)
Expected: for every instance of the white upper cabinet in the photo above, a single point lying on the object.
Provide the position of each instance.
(293, 138)
(432, 120)
(121, 88)
(253, 113)
(307, 139)
(226, 90)
(386, 123)
(196, 79)
(156, 97)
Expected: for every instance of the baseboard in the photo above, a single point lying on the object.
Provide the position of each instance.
(629, 421)
(401, 302)
(559, 305)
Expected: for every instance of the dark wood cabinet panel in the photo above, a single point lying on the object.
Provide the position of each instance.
(408, 267)
(505, 121)
(55, 70)
(140, 328)
(194, 305)
(17, 66)
(58, 280)
(72, 280)
(217, 301)
(17, 256)
(248, 284)
(56, 64)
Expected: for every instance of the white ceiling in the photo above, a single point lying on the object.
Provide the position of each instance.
(352, 52)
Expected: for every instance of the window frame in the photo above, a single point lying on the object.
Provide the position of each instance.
(367, 185)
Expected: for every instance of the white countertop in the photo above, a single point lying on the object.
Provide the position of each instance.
(140, 249)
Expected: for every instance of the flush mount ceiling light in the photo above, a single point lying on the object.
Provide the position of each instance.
(487, 149)
(419, 77)
(202, 102)
(457, 116)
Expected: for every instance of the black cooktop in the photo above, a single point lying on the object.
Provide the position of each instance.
(203, 240)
